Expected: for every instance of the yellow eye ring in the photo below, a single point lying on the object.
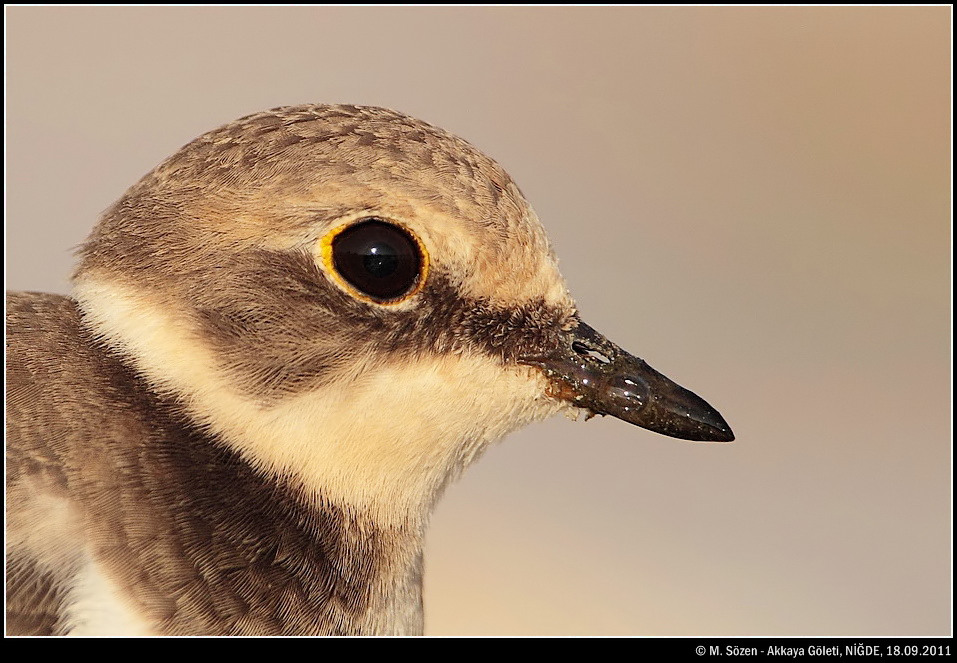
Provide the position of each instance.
(376, 261)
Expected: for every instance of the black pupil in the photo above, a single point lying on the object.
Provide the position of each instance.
(379, 259)
(381, 262)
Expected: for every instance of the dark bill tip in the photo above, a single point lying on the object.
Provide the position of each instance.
(593, 373)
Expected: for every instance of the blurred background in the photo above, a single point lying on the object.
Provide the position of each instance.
(754, 200)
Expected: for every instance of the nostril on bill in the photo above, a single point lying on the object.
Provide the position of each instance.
(590, 353)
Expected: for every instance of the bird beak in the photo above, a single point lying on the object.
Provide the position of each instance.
(591, 372)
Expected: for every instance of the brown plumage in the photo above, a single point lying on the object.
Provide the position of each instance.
(218, 434)
(206, 544)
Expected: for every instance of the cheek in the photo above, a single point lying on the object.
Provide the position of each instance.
(484, 400)
(389, 437)
(418, 413)
(443, 401)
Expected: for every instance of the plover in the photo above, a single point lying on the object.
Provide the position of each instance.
(283, 343)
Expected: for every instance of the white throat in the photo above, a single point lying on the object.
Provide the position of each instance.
(384, 440)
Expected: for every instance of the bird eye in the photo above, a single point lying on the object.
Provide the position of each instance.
(379, 259)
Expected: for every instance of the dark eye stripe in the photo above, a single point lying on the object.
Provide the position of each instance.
(379, 259)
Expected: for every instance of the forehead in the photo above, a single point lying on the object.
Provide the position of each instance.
(293, 172)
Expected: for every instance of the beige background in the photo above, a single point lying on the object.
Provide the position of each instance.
(756, 201)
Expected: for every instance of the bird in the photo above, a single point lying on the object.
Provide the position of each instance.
(281, 346)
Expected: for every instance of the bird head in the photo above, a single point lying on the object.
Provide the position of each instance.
(357, 301)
